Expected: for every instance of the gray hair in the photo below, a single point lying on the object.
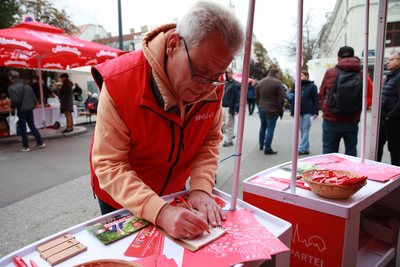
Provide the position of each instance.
(206, 17)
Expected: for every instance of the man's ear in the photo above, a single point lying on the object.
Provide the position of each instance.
(173, 42)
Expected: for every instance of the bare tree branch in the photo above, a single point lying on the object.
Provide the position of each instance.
(44, 11)
(311, 41)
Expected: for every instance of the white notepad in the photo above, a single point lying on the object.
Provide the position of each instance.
(202, 240)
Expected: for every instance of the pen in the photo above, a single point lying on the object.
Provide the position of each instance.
(33, 264)
(188, 206)
(19, 262)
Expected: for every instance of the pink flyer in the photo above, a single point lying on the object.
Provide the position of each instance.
(375, 172)
(246, 240)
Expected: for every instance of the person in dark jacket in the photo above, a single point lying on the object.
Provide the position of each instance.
(24, 100)
(251, 97)
(270, 98)
(390, 111)
(336, 127)
(290, 99)
(230, 106)
(308, 111)
(66, 101)
(36, 90)
(77, 92)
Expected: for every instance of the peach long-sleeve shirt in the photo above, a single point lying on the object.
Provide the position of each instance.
(112, 144)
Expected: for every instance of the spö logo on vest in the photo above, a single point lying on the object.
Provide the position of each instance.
(204, 116)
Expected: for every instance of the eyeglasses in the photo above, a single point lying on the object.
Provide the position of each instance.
(197, 77)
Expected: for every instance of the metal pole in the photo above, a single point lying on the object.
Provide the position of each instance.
(297, 95)
(121, 44)
(365, 85)
(39, 73)
(378, 70)
(242, 108)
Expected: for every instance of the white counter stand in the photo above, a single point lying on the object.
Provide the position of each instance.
(326, 232)
(96, 250)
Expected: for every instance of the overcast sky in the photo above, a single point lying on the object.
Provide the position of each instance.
(274, 21)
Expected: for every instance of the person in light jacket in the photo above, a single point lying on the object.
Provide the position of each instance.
(159, 121)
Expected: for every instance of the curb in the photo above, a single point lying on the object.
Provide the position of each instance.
(46, 134)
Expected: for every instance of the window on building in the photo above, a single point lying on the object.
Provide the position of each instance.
(393, 34)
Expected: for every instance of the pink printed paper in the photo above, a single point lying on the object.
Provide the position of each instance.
(154, 261)
(277, 183)
(375, 172)
(271, 183)
(246, 240)
(149, 241)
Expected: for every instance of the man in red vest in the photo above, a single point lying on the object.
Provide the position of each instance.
(159, 121)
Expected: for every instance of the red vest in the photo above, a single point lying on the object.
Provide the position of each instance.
(163, 146)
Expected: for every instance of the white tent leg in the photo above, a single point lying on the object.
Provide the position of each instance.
(297, 98)
(378, 70)
(365, 86)
(242, 108)
(39, 72)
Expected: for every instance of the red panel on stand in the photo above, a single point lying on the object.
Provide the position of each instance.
(317, 238)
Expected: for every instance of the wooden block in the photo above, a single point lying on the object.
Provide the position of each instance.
(54, 242)
(54, 250)
(66, 254)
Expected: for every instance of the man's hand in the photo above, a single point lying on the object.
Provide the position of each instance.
(204, 203)
(180, 223)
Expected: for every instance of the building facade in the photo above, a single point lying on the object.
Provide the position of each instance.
(90, 32)
(346, 26)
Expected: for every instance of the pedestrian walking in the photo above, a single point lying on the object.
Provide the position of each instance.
(251, 96)
(270, 98)
(341, 101)
(23, 99)
(230, 107)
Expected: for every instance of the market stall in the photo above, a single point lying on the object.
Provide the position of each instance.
(51, 114)
(37, 45)
(327, 231)
(232, 252)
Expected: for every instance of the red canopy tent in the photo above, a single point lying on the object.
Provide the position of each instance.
(37, 45)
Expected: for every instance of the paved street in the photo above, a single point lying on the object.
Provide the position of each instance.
(45, 191)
